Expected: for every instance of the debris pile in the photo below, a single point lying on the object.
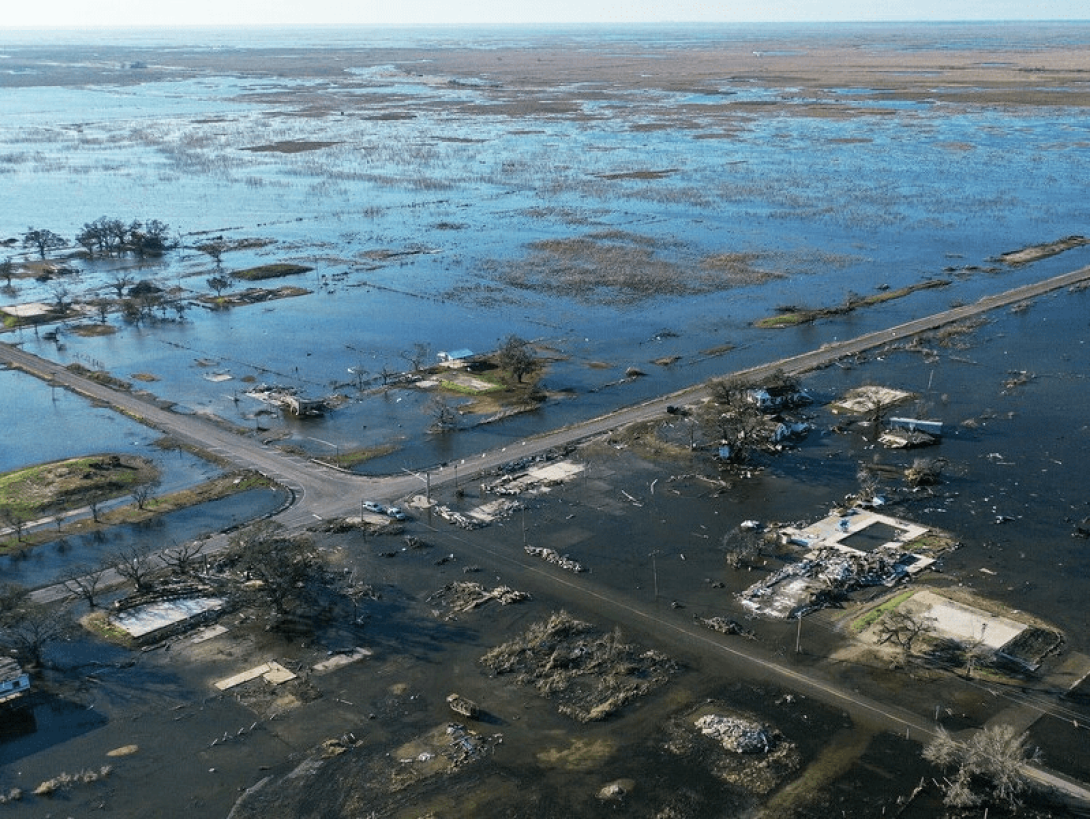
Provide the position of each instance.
(457, 518)
(463, 596)
(518, 481)
(735, 734)
(725, 626)
(552, 556)
(591, 675)
(823, 578)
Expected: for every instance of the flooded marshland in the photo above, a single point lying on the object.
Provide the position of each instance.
(624, 199)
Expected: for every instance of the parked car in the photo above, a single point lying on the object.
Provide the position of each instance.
(396, 513)
(377, 508)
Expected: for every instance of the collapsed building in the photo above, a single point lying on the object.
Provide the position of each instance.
(842, 553)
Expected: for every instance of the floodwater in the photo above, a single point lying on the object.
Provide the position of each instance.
(49, 563)
(457, 202)
(442, 213)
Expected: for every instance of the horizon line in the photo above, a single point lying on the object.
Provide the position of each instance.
(530, 24)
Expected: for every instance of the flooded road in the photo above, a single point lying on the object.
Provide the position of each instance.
(447, 197)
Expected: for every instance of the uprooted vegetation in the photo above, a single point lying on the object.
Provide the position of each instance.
(589, 674)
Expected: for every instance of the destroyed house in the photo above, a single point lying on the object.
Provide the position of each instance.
(14, 682)
(917, 425)
(771, 399)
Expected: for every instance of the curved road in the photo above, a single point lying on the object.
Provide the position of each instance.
(322, 492)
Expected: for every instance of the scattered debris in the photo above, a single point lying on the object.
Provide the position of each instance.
(591, 675)
(725, 626)
(272, 672)
(866, 399)
(536, 478)
(465, 707)
(551, 556)
(465, 596)
(342, 658)
(737, 735)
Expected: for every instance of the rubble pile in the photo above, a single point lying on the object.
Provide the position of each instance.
(824, 576)
(725, 626)
(463, 596)
(735, 734)
(551, 556)
(590, 675)
(457, 518)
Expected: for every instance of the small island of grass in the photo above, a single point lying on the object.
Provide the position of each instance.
(271, 271)
(792, 316)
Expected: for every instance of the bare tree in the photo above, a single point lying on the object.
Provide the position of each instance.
(15, 521)
(7, 270)
(215, 250)
(145, 492)
(444, 417)
(86, 582)
(13, 599)
(734, 419)
(516, 356)
(869, 482)
(42, 240)
(989, 767)
(182, 559)
(26, 635)
(102, 308)
(386, 373)
(218, 284)
(119, 282)
(417, 355)
(135, 564)
(60, 298)
(287, 567)
(903, 629)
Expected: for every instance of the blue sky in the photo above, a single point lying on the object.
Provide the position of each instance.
(68, 13)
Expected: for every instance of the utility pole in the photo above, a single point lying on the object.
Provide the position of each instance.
(655, 571)
(798, 636)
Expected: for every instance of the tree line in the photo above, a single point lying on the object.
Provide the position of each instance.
(106, 236)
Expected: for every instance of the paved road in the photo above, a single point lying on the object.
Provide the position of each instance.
(323, 492)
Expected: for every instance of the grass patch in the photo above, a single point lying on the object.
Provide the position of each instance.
(100, 377)
(354, 457)
(463, 388)
(867, 620)
(92, 330)
(794, 316)
(270, 271)
(99, 624)
(60, 486)
(219, 487)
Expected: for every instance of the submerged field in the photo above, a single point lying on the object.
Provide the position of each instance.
(649, 200)
(628, 200)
